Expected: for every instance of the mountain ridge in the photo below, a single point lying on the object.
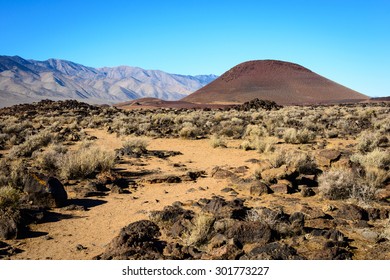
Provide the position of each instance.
(27, 80)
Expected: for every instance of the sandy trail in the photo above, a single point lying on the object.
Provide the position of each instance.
(85, 234)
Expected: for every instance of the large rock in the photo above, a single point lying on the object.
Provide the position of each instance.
(135, 241)
(221, 173)
(44, 191)
(258, 188)
(327, 156)
(221, 208)
(170, 215)
(274, 174)
(247, 232)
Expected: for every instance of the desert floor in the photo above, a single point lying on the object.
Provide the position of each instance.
(78, 234)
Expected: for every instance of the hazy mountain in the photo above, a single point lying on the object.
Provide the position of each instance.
(283, 82)
(23, 81)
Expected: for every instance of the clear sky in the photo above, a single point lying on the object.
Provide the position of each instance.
(346, 41)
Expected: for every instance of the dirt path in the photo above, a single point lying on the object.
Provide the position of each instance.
(84, 234)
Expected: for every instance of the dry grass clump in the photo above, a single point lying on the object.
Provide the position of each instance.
(135, 146)
(294, 136)
(377, 158)
(85, 162)
(31, 144)
(189, 131)
(369, 141)
(202, 226)
(9, 200)
(375, 167)
(262, 145)
(49, 159)
(217, 142)
(12, 173)
(303, 163)
(337, 184)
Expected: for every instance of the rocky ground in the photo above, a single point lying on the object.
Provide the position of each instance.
(178, 198)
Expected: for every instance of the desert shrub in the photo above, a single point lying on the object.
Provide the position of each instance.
(217, 142)
(135, 146)
(202, 225)
(9, 200)
(236, 121)
(368, 141)
(375, 165)
(337, 184)
(14, 126)
(189, 131)
(293, 136)
(49, 160)
(85, 162)
(304, 163)
(254, 131)
(264, 145)
(278, 159)
(12, 173)
(31, 144)
(377, 158)
(247, 145)
(375, 177)
(290, 136)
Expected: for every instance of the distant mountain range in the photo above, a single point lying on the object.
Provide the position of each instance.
(25, 81)
(285, 83)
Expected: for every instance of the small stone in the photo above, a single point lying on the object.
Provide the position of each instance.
(80, 247)
(225, 190)
(306, 191)
(280, 188)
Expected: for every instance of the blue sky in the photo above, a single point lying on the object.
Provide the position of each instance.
(346, 41)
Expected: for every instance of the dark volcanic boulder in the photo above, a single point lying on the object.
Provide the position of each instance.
(135, 241)
(44, 191)
(247, 232)
(221, 208)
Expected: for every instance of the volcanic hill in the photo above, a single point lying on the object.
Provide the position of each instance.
(283, 82)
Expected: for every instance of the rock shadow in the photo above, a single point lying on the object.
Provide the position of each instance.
(86, 203)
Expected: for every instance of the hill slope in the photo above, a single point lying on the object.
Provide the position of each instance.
(24, 81)
(283, 82)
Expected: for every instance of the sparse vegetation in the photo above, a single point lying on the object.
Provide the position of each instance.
(337, 184)
(217, 142)
(9, 200)
(200, 230)
(306, 156)
(136, 146)
(85, 162)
